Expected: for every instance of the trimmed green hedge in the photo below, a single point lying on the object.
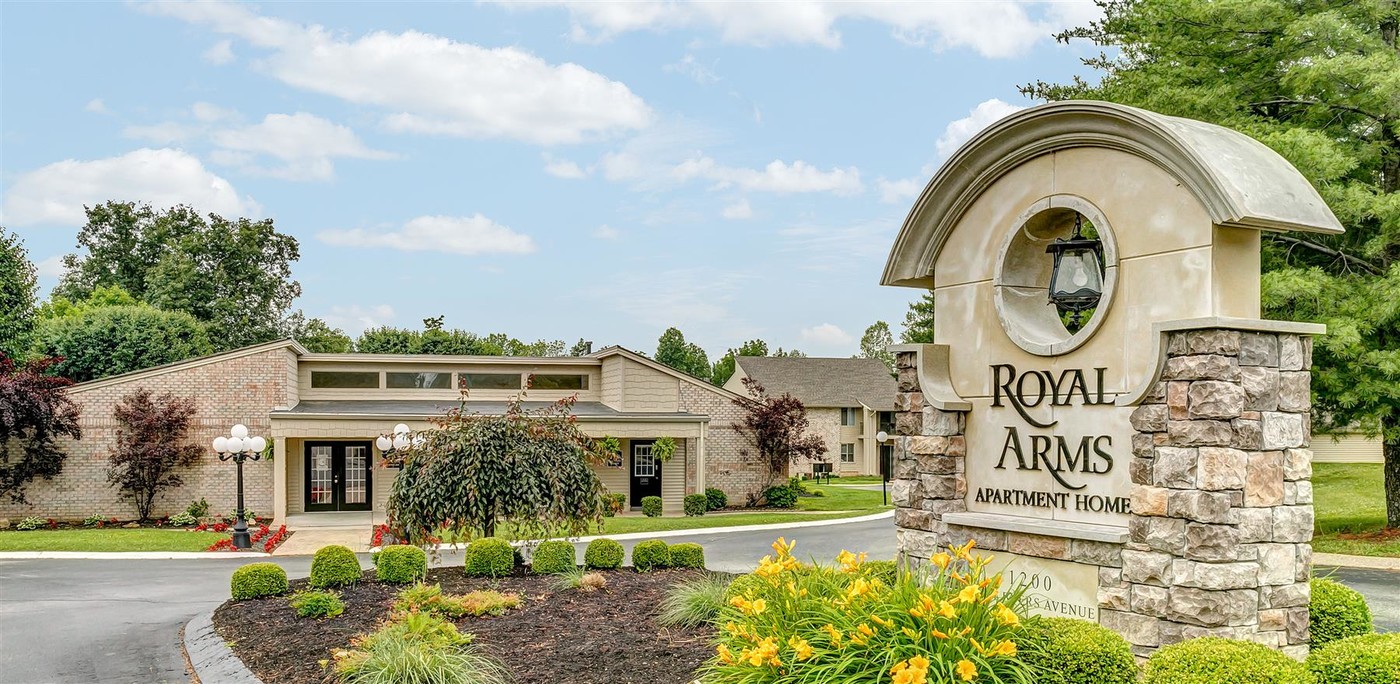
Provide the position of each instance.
(652, 554)
(780, 496)
(1366, 659)
(489, 557)
(257, 580)
(695, 504)
(603, 554)
(686, 556)
(651, 506)
(334, 566)
(1212, 660)
(553, 557)
(1336, 612)
(1068, 651)
(715, 499)
(400, 564)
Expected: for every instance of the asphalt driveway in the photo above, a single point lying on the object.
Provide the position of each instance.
(114, 621)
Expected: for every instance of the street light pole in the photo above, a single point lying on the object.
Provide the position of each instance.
(883, 437)
(239, 447)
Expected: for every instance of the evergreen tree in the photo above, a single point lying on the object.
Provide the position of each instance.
(918, 321)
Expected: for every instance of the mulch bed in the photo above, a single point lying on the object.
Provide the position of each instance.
(1386, 535)
(601, 637)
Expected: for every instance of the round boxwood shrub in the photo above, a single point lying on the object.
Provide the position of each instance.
(780, 496)
(1336, 612)
(695, 504)
(1068, 651)
(334, 566)
(651, 506)
(489, 557)
(257, 580)
(553, 557)
(685, 556)
(603, 554)
(715, 499)
(1366, 659)
(1212, 660)
(400, 564)
(651, 554)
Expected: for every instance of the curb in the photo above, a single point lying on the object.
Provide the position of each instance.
(628, 536)
(210, 658)
(127, 555)
(1363, 562)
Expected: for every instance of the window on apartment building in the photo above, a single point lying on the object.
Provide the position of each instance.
(490, 381)
(559, 382)
(418, 380)
(345, 379)
(848, 417)
(848, 453)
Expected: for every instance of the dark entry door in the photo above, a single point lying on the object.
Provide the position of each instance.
(337, 476)
(646, 473)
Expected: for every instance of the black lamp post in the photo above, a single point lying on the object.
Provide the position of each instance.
(886, 469)
(1076, 282)
(239, 447)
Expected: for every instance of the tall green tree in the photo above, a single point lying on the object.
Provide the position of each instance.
(233, 275)
(918, 321)
(723, 369)
(875, 343)
(19, 285)
(1318, 82)
(686, 357)
(98, 341)
(318, 336)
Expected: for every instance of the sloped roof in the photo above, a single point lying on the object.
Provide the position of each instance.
(824, 382)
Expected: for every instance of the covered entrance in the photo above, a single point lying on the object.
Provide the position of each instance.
(337, 476)
(646, 473)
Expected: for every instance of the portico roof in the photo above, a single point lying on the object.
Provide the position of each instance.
(429, 408)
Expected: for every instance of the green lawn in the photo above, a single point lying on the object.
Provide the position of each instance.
(856, 479)
(113, 539)
(1349, 499)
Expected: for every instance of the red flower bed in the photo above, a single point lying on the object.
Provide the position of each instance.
(263, 535)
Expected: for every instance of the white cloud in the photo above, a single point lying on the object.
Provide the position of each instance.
(901, 190)
(689, 66)
(469, 235)
(304, 143)
(563, 168)
(219, 53)
(862, 245)
(51, 267)
(983, 115)
(738, 211)
(778, 176)
(431, 84)
(606, 232)
(355, 318)
(826, 335)
(684, 297)
(992, 29)
(96, 106)
(55, 194)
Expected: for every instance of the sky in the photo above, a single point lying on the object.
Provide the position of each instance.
(551, 170)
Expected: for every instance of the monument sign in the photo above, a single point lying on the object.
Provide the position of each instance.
(1102, 407)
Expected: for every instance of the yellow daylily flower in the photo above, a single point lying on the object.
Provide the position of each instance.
(941, 560)
(947, 610)
(800, 648)
(966, 670)
(1006, 616)
(1003, 648)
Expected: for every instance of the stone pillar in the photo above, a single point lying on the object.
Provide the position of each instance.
(928, 478)
(1222, 516)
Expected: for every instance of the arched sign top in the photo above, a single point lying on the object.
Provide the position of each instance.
(1238, 180)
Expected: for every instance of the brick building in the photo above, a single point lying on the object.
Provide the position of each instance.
(322, 413)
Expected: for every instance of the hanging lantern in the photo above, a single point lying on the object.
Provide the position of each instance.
(1076, 282)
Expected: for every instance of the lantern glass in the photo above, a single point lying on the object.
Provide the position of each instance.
(221, 445)
(1077, 274)
(240, 431)
(257, 444)
(384, 443)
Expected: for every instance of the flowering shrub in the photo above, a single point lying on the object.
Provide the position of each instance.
(791, 622)
(94, 520)
(183, 519)
(30, 523)
(277, 538)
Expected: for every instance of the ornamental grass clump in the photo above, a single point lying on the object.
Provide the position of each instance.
(428, 598)
(798, 623)
(317, 604)
(694, 602)
(420, 648)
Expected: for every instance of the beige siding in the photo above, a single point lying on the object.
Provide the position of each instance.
(614, 370)
(648, 389)
(673, 481)
(1347, 448)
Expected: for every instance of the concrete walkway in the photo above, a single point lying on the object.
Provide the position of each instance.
(305, 542)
